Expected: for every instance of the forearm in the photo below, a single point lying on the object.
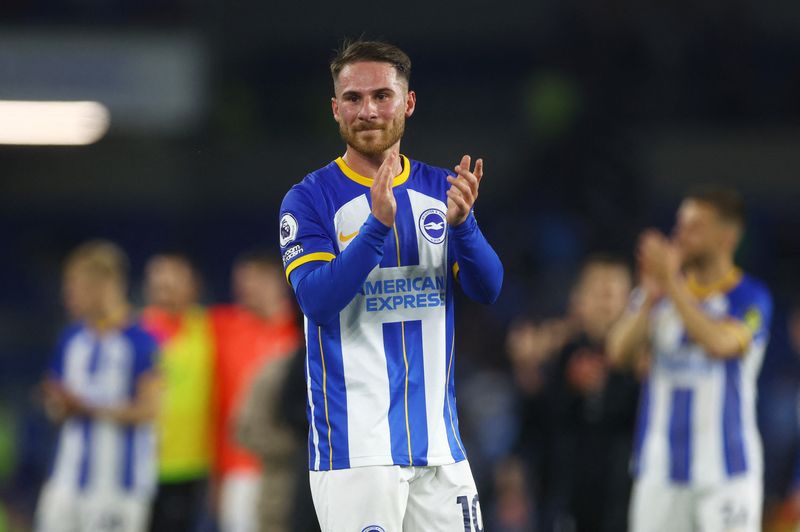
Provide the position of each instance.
(480, 271)
(719, 338)
(629, 336)
(129, 414)
(324, 289)
(143, 408)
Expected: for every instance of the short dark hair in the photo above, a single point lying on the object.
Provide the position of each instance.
(177, 255)
(605, 259)
(263, 258)
(355, 51)
(726, 201)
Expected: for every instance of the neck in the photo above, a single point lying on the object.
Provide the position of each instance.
(368, 165)
(713, 270)
(177, 309)
(269, 310)
(112, 316)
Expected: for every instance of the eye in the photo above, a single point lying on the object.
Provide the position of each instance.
(382, 96)
(351, 98)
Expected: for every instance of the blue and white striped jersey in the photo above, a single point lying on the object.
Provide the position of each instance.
(103, 370)
(380, 373)
(697, 418)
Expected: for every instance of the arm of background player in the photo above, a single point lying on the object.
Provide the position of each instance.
(727, 338)
(142, 409)
(630, 334)
(323, 289)
(480, 271)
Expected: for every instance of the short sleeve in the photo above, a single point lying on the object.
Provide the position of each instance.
(302, 235)
(56, 366)
(751, 303)
(145, 350)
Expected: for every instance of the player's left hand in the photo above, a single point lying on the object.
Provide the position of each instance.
(659, 258)
(463, 190)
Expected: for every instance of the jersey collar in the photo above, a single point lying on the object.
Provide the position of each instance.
(702, 291)
(367, 181)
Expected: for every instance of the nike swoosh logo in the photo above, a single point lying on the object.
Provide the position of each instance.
(345, 238)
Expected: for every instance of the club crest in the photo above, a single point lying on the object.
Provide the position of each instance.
(433, 225)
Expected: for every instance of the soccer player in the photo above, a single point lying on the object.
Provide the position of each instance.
(259, 328)
(183, 330)
(697, 451)
(103, 388)
(373, 245)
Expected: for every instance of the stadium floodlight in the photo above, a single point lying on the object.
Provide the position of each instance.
(43, 123)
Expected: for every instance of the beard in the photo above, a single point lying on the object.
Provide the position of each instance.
(697, 260)
(377, 141)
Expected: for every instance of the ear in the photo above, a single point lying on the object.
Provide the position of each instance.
(735, 234)
(411, 103)
(335, 108)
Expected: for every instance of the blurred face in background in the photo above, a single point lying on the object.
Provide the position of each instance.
(702, 235)
(600, 297)
(260, 288)
(170, 283)
(85, 291)
(371, 106)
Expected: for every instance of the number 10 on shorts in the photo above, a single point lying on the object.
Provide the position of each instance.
(463, 500)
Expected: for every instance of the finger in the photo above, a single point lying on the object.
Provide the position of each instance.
(458, 199)
(387, 168)
(384, 176)
(390, 171)
(473, 182)
(649, 233)
(469, 176)
(479, 169)
(465, 162)
(378, 182)
(463, 187)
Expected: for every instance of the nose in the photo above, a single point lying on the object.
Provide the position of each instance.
(368, 110)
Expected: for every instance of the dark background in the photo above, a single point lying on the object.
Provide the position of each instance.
(593, 118)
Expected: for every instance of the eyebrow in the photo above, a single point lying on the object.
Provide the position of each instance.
(374, 91)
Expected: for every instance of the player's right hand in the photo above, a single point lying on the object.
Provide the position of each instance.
(384, 204)
(648, 281)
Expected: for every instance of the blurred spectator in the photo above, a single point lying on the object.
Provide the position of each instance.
(532, 349)
(594, 407)
(512, 511)
(574, 408)
(183, 331)
(102, 386)
(260, 327)
(272, 423)
(788, 517)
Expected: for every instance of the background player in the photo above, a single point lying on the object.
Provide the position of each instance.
(183, 330)
(103, 388)
(259, 327)
(372, 245)
(698, 458)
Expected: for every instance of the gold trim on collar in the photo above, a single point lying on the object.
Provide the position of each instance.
(367, 181)
(702, 291)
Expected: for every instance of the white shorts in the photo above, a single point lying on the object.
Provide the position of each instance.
(63, 509)
(239, 492)
(395, 499)
(734, 506)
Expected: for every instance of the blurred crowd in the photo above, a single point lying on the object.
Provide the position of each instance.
(549, 433)
(222, 386)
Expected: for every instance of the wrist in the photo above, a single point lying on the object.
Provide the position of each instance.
(465, 226)
(375, 223)
(672, 285)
